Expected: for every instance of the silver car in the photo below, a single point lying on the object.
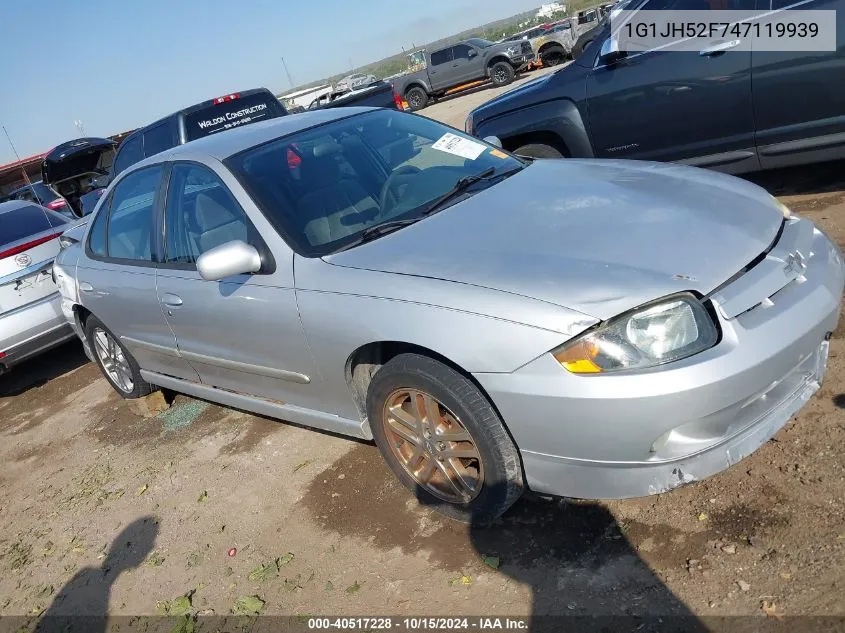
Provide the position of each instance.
(31, 319)
(587, 328)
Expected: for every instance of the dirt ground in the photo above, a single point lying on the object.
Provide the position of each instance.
(102, 510)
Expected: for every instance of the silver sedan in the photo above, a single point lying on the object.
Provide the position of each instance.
(598, 329)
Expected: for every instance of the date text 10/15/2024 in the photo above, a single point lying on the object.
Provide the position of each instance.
(419, 623)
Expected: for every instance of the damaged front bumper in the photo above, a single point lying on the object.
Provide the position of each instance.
(632, 434)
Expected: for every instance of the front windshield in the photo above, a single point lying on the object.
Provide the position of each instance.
(322, 187)
(480, 43)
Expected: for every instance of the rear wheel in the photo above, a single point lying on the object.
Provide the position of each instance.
(501, 74)
(443, 440)
(538, 150)
(417, 98)
(553, 57)
(115, 361)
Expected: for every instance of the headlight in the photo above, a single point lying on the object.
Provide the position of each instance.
(658, 333)
(468, 124)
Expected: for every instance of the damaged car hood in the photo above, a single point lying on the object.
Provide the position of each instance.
(599, 237)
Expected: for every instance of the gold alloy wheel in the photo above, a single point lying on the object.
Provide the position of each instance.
(432, 445)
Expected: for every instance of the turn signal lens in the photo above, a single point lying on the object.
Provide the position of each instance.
(578, 358)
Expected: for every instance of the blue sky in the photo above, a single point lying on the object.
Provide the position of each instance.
(116, 65)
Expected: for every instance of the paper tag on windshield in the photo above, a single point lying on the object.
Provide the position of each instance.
(459, 146)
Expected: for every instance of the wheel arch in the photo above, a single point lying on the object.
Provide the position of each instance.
(495, 60)
(365, 361)
(548, 47)
(414, 84)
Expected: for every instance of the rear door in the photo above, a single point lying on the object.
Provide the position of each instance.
(28, 245)
(799, 97)
(440, 70)
(116, 274)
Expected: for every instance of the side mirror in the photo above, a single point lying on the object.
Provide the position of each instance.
(232, 258)
(472, 53)
(493, 140)
(610, 52)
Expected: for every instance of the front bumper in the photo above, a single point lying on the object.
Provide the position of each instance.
(639, 433)
(521, 61)
(32, 329)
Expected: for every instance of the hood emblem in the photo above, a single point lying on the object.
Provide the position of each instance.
(794, 264)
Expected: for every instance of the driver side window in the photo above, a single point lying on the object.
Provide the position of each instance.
(201, 214)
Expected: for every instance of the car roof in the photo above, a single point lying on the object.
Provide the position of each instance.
(224, 144)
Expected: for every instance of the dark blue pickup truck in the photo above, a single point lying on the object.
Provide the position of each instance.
(735, 111)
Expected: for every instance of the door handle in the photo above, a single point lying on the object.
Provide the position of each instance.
(171, 300)
(721, 47)
(84, 286)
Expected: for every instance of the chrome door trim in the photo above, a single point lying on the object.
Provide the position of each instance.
(247, 368)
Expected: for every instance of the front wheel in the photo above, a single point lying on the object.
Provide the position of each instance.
(443, 440)
(501, 74)
(115, 361)
(538, 150)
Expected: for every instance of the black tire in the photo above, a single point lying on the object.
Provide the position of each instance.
(140, 387)
(416, 97)
(539, 150)
(501, 74)
(553, 57)
(502, 482)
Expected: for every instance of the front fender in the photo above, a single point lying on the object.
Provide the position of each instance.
(560, 117)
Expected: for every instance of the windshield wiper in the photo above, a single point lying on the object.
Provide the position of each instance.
(373, 232)
(460, 186)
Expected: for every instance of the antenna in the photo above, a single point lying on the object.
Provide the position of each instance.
(287, 72)
(12, 145)
(79, 126)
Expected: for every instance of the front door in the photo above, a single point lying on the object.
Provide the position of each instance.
(464, 63)
(669, 105)
(117, 279)
(243, 333)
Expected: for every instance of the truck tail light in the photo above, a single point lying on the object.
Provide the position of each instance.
(226, 98)
(397, 99)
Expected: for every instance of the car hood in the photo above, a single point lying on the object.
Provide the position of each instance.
(80, 157)
(599, 237)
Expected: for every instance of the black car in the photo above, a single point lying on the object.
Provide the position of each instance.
(78, 171)
(197, 121)
(735, 111)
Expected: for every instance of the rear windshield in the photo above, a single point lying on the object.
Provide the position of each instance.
(231, 114)
(22, 222)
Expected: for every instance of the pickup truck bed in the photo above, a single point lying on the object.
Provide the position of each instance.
(378, 95)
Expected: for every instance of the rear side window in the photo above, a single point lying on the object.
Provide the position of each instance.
(159, 138)
(129, 230)
(129, 153)
(232, 113)
(441, 57)
(97, 235)
(26, 221)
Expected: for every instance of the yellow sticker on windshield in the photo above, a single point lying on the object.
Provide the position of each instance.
(498, 153)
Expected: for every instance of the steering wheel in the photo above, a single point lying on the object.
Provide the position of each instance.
(387, 188)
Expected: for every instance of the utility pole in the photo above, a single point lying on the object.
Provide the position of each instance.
(287, 72)
(12, 145)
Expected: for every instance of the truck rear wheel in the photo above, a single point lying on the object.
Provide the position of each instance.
(501, 74)
(538, 150)
(416, 97)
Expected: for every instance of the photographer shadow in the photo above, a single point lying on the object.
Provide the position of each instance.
(583, 572)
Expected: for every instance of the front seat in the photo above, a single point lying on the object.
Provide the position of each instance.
(336, 205)
(217, 222)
